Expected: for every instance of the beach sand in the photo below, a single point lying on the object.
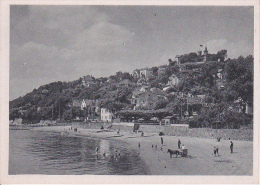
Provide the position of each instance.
(200, 159)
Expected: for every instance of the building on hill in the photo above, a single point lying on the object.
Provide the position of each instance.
(173, 80)
(83, 103)
(193, 58)
(178, 59)
(148, 100)
(126, 82)
(88, 80)
(205, 54)
(142, 73)
(106, 115)
(146, 73)
(158, 91)
(241, 106)
(141, 81)
(136, 73)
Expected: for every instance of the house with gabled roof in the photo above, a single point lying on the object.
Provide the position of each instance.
(106, 115)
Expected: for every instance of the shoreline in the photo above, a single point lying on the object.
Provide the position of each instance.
(199, 161)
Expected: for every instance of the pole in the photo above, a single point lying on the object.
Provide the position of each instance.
(59, 109)
(181, 110)
(52, 111)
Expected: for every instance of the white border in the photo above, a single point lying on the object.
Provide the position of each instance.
(86, 179)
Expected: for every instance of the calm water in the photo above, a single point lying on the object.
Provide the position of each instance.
(32, 152)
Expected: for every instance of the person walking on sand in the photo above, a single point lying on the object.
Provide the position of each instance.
(162, 140)
(97, 150)
(179, 143)
(231, 147)
(139, 144)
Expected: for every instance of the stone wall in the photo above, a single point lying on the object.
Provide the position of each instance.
(233, 134)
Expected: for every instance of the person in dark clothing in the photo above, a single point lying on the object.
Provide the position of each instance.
(231, 147)
(179, 144)
(215, 151)
(162, 140)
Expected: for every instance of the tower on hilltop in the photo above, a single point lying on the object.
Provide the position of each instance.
(205, 53)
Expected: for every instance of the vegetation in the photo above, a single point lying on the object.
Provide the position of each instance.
(54, 100)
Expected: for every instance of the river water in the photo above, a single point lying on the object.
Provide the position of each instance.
(36, 152)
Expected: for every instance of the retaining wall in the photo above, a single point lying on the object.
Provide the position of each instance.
(233, 134)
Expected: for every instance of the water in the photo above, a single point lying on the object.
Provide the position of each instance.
(32, 152)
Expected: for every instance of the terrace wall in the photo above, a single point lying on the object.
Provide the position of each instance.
(232, 134)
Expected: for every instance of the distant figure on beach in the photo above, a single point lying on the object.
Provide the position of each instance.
(183, 147)
(231, 147)
(142, 134)
(104, 154)
(215, 150)
(161, 148)
(155, 146)
(139, 144)
(97, 150)
(152, 145)
(218, 139)
(162, 140)
(118, 131)
(179, 143)
(102, 127)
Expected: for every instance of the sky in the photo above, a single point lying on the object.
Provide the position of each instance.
(64, 43)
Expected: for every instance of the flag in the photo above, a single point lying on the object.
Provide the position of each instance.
(201, 45)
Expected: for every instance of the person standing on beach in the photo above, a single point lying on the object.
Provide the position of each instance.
(162, 140)
(139, 144)
(179, 143)
(97, 150)
(215, 151)
(231, 147)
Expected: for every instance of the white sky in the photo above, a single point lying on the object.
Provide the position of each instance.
(63, 43)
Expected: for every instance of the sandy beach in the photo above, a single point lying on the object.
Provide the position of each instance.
(200, 159)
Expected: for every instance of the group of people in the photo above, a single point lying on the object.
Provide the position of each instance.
(216, 148)
(116, 153)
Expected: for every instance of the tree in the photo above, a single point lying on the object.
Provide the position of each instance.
(239, 75)
(222, 55)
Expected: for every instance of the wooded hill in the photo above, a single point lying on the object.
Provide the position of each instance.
(54, 100)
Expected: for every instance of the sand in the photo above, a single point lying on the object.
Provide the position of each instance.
(200, 159)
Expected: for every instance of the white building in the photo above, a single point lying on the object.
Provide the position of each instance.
(173, 80)
(106, 115)
(83, 105)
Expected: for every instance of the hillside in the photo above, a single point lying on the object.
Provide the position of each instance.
(224, 89)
